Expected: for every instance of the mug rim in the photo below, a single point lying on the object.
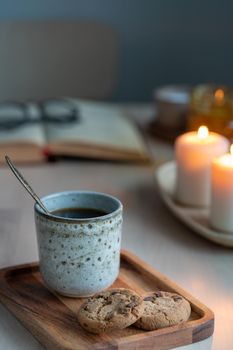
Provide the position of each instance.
(55, 218)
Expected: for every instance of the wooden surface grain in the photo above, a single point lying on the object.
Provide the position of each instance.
(52, 319)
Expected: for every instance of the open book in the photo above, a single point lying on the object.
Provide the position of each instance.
(102, 132)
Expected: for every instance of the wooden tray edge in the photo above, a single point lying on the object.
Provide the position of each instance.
(135, 260)
(195, 327)
(127, 255)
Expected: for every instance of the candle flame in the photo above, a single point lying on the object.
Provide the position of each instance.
(226, 160)
(203, 132)
(231, 150)
(219, 95)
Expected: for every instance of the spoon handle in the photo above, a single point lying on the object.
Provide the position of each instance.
(25, 184)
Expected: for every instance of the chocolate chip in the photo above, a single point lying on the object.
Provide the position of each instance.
(100, 296)
(176, 298)
(148, 299)
(131, 305)
(109, 316)
(123, 310)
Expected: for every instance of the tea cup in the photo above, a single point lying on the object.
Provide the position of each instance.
(79, 256)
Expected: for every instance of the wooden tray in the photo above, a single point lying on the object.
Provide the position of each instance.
(52, 318)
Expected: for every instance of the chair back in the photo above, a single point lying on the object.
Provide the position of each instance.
(54, 59)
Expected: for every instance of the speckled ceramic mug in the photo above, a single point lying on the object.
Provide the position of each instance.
(79, 257)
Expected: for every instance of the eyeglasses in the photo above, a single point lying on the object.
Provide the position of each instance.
(14, 114)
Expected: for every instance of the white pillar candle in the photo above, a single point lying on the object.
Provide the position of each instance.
(194, 153)
(221, 208)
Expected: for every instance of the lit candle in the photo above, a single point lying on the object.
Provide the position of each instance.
(221, 209)
(194, 153)
(219, 97)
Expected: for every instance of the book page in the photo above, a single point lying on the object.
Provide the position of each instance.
(26, 133)
(100, 124)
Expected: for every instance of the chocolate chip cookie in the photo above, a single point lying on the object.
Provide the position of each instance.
(112, 309)
(163, 309)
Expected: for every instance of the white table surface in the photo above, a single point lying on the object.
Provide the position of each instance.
(150, 231)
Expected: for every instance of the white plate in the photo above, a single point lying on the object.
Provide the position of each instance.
(196, 218)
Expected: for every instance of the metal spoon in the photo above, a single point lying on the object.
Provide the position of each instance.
(25, 184)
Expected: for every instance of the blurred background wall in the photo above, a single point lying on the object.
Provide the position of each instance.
(162, 41)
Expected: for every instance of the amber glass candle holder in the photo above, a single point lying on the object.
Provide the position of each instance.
(212, 106)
